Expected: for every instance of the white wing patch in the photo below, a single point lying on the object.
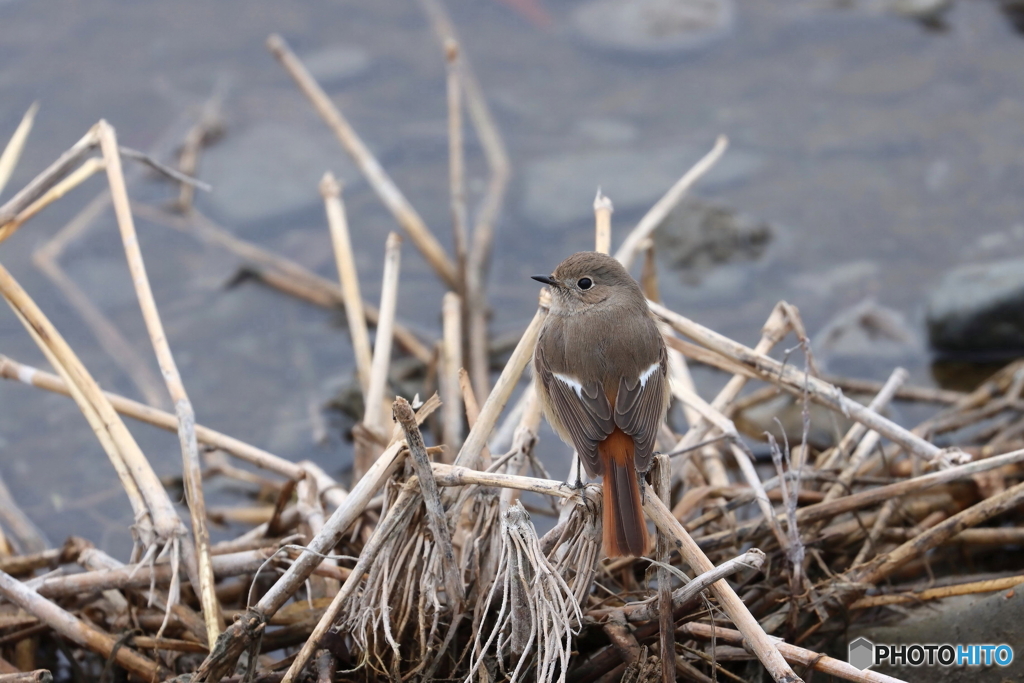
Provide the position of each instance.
(571, 383)
(648, 372)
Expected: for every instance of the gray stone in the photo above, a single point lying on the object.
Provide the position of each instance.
(698, 236)
(979, 309)
(560, 189)
(271, 169)
(866, 329)
(653, 27)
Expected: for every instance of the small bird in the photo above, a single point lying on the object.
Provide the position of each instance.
(602, 372)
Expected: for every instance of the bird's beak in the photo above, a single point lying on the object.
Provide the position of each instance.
(546, 279)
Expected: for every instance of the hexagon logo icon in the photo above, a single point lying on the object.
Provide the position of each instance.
(862, 653)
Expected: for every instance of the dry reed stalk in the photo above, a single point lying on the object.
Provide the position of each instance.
(12, 151)
(794, 654)
(884, 565)
(829, 459)
(436, 517)
(38, 186)
(449, 372)
(397, 515)
(663, 553)
(191, 467)
(487, 211)
(603, 223)
(521, 356)
(656, 214)
(147, 495)
(373, 419)
(26, 374)
(649, 610)
(37, 676)
(88, 168)
(241, 634)
(316, 289)
(375, 174)
(817, 390)
(862, 499)
(456, 160)
(330, 189)
(78, 631)
(986, 586)
(208, 126)
(759, 641)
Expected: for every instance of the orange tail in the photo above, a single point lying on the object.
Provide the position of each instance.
(625, 530)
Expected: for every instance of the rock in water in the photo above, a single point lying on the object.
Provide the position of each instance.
(979, 309)
(653, 27)
(698, 236)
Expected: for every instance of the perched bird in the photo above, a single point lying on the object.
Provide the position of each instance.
(602, 371)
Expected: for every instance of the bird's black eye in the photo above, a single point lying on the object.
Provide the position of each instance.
(585, 283)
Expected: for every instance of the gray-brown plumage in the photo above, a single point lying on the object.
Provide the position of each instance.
(602, 371)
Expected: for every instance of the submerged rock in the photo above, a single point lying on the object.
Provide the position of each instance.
(979, 309)
(697, 236)
(866, 330)
(560, 189)
(653, 27)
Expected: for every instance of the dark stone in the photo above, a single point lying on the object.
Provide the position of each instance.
(979, 310)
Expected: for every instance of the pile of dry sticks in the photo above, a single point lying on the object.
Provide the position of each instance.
(428, 567)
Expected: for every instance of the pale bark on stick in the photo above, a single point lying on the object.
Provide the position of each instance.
(12, 151)
(373, 419)
(657, 213)
(191, 467)
(375, 174)
(794, 380)
(666, 619)
(603, 223)
(348, 274)
(792, 653)
(78, 631)
(456, 160)
(12, 370)
(448, 374)
(761, 644)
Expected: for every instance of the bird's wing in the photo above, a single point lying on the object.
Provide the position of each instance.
(583, 411)
(640, 406)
